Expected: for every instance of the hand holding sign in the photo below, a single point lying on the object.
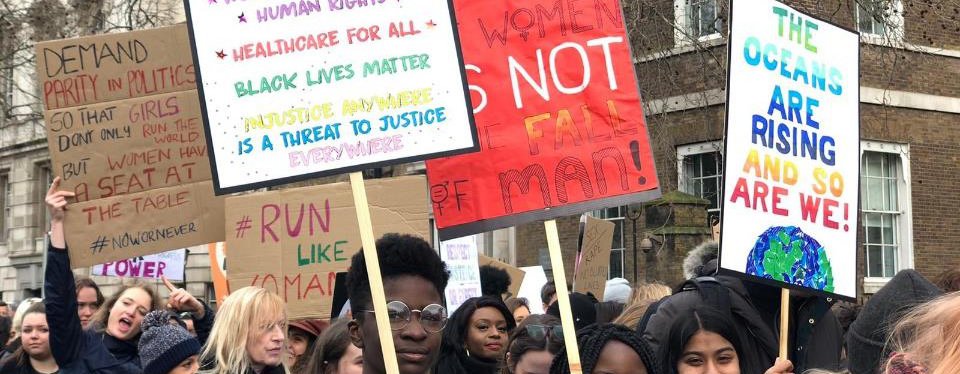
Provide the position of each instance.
(182, 301)
(57, 201)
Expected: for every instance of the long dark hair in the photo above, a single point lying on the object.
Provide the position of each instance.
(521, 342)
(455, 333)
(327, 350)
(703, 318)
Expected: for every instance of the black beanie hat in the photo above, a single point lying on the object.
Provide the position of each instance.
(163, 345)
(866, 340)
(583, 310)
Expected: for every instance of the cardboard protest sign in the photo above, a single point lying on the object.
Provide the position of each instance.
(461, 257)
(516, 275)
(594, 256)
(218, 270)
(124, 133)
(294, 242)
(558, 109)
(294, 91)
(792, 150)
(168, 264)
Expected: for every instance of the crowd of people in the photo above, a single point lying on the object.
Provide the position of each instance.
(709, 324)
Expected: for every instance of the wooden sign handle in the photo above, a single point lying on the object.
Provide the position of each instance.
(563, 298)
(784, 322)
(372, 261)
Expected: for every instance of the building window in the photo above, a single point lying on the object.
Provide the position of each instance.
(615, 215)
(879, 17)
(7, 199)
(885, 203)
(700, 171)
(697, 20)
(44, 179)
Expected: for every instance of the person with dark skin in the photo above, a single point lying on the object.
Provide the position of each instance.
(414, 279)
(476, 337)
(610, 349)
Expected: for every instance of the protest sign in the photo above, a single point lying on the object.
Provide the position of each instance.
(294, 242)
(218, 270)
(321, 88)
(168, 264)
(516, 275)
(594, 257)
(124, 133)
(792, 150)
(533, 281)
(558, 109)
(461, 257)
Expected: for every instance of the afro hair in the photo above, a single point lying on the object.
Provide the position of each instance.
(494, 281)
(400, 254)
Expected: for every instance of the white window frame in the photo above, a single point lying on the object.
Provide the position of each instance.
(891, 33)
(905, 256)
(684, 151)
(682, 27)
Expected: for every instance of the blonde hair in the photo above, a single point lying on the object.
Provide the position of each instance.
(633, 313)
(930, 335)
(17, 321)
(239, 318)
(649, 291)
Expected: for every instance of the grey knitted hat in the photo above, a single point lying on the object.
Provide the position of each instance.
(163, 345)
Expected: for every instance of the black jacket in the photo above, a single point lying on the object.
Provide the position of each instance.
(88, 351)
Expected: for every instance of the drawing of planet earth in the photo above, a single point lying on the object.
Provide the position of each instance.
(787, 254)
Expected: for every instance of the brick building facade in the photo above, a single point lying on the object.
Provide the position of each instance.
(910, 125)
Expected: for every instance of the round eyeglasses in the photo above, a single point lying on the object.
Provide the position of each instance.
(433, 317)
(539, 332)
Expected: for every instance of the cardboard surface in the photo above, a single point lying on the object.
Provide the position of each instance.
(594, 267)
(792, 154)
(125, 133)
(332, 87)
(294, 242)
(461, 257)
(516, 275)
(168, 264)
(558, 110)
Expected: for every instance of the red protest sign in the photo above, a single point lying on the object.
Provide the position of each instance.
(558, 116)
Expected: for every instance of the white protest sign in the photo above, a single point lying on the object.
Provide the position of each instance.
(298, 90)
(462, 261)
(792, 150)
(169, 264)
(530, 288)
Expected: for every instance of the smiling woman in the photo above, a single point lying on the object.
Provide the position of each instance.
(476, 337)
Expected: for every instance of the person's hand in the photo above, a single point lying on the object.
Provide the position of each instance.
(57, 201)
(782, 366)
(182, 301)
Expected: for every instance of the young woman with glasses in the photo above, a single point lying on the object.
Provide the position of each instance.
(476, 337)
(414, 279)
(532, 345)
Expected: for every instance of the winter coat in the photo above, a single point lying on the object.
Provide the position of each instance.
(459, 363)
(88, 351)
(11, 366)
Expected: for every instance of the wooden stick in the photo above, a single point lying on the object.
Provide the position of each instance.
(372, 261)
(784, 322)
(563, 298)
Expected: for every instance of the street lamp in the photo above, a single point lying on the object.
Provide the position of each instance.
(633, 214)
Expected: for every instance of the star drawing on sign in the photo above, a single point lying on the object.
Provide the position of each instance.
(431, 24)
(221, 55)
(243, 18)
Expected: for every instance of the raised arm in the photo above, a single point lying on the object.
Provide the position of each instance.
(66, 333)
